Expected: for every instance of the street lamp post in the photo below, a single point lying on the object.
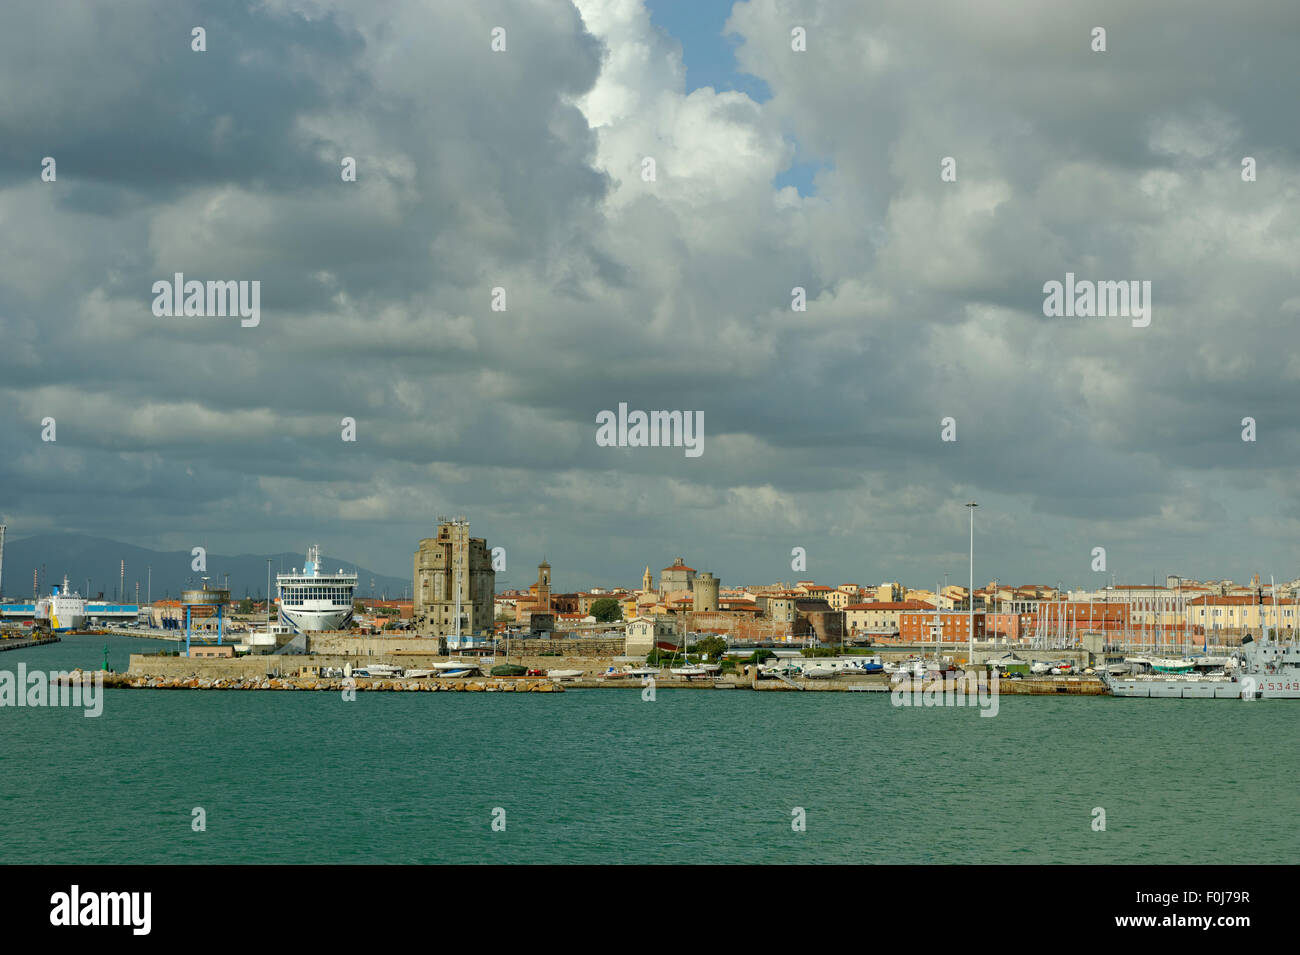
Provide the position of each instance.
(970, 593)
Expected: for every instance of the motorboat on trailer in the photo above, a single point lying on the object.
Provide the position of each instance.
(455, 667)
(377, 671)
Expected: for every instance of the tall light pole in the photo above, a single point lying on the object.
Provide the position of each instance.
(970, 594)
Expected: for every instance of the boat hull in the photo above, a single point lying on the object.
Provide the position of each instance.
(1229, 689)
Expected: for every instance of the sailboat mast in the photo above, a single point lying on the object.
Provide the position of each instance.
(938, 621)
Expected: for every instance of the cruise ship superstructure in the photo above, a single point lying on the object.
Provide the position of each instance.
(312, 600)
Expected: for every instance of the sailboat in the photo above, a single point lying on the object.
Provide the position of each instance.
(689, 670)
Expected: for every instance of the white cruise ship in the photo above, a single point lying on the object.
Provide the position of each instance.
(312, 600)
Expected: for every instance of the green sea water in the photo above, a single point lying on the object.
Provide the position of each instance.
(600, 776)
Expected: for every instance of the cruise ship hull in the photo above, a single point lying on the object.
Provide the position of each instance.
(307, 620)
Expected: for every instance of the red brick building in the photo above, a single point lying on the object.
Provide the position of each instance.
(918, 626)
(1076, 615)
(1009, 626)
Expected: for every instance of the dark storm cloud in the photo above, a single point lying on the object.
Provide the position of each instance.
(522, 170)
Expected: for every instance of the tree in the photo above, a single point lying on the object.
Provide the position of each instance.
(711, 647)
(607, 610)
(246, 606)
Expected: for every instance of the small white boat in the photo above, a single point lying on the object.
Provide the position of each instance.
(914, 668)
(563, 674)
(378, 670)
(445, 666)
(644, 671)
(689, 671)
(829, 666)
(417, 674)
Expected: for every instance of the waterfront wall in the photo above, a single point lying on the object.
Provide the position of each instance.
(343, 643)
(268, 665)
(169, 667)
(583, 649)
(407, 644)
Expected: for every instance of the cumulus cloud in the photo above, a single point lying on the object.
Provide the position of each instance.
(523, 170)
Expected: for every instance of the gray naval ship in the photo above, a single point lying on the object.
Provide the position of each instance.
(1261, 670)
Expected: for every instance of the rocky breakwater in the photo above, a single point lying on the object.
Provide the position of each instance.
(127, 681)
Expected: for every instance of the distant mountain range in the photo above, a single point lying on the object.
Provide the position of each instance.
(81, 557)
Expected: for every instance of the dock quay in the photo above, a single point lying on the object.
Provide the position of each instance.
(1034, 686)
(171, 636)
(1054, 685)
(24, 644)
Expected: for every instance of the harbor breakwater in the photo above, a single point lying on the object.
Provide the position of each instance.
(129, 681)
(306, 673)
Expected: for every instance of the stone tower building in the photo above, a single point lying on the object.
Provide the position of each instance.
(647, 582)
(543, 587)
(439, 562)
(706, 593)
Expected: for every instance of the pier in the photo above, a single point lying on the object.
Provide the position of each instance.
(24, 644)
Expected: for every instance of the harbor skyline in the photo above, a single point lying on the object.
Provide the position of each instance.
(55, 556)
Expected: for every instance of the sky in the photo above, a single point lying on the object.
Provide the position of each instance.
(524, 169)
